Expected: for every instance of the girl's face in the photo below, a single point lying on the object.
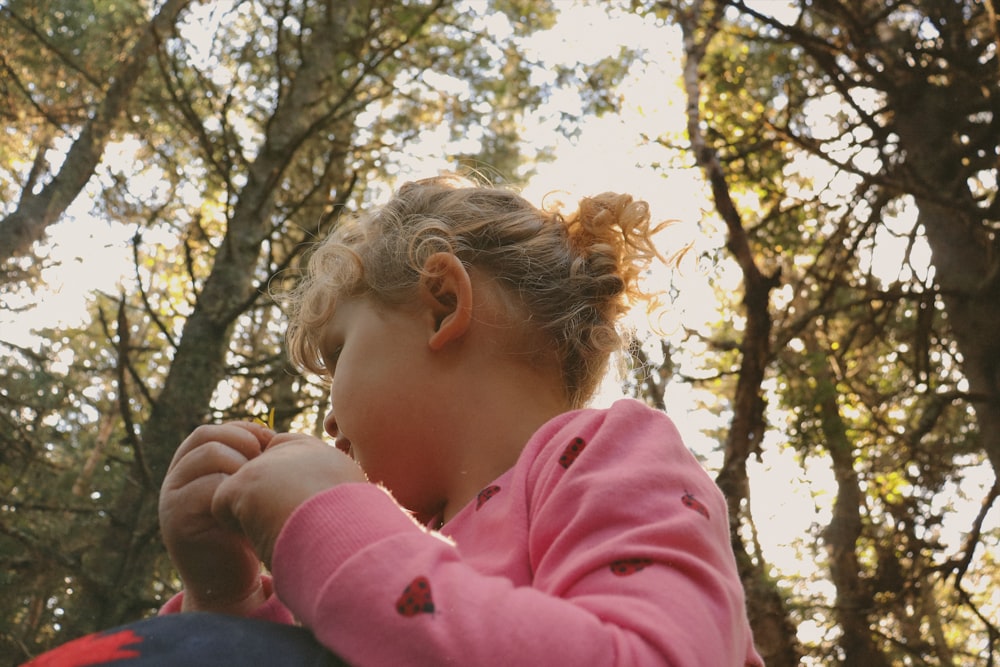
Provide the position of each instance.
(388, 406)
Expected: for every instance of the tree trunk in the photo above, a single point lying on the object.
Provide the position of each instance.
(36, 211)
(965, 252)
(853, 605)
(199, 362)
(773, 630)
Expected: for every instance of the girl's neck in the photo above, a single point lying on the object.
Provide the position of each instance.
(503, 382)
(495, 436)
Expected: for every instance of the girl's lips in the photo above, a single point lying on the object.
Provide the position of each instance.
(344, 445)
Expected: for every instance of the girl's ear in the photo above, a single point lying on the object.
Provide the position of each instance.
(446, 289)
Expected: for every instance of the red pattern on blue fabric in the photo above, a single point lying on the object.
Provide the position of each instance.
(95, 649)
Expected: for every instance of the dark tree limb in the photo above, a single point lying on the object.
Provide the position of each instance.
(28, 223)
(773, 629)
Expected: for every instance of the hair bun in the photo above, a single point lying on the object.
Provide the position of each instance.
(611, 233)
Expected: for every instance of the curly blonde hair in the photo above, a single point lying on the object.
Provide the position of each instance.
(574, 275)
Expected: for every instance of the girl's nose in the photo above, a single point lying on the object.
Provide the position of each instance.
(330, 424)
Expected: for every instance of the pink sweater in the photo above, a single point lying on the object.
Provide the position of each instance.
(606, 544)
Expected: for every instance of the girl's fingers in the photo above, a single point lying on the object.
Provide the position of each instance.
(209, 458)
(262, 433)
(247, 438)
(285, 438)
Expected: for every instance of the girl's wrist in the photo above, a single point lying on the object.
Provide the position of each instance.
(242, 606)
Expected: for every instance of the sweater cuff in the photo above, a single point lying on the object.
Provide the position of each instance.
(173, 605)
(272, 609)
(326, 530)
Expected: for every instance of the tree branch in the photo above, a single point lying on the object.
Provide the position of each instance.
(36, 211)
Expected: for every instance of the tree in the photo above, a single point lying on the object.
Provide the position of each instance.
(819, 135)
(45, 196)
(254, 126)
(768, 617)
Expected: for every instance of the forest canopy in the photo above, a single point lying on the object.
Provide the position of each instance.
(829, 339)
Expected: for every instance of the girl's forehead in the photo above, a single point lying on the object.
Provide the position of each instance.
(344, 310)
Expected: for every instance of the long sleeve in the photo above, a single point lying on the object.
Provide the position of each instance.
(606, 544)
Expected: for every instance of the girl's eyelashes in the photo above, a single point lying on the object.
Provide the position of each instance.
(330, 360)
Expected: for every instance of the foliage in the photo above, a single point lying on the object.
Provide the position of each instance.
(849, 149)
(825, 136)
(248, 129)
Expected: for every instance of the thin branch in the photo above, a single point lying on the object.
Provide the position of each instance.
(29, 222)
(43, 39)
(143, 295)
(121, 368)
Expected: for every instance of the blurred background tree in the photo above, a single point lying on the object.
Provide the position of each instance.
(848, 153)
(851, 152)
(244, 130)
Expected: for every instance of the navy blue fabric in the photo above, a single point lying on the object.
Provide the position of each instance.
(193, 640)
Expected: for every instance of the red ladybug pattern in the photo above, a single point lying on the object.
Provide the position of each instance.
(90, 650)
(486, 494)
(571, 452)
(629, 566)
(416, 598)
(693, 503)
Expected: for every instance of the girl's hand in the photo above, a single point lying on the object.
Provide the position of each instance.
(258, 499)
(217, 565)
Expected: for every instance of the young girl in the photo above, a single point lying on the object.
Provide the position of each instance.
(472, 512)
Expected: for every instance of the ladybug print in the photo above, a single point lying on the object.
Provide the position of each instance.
(572, 451)
(693, 503)
(486, 494)
(629, 566)
(416, 598)
(91, 650)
